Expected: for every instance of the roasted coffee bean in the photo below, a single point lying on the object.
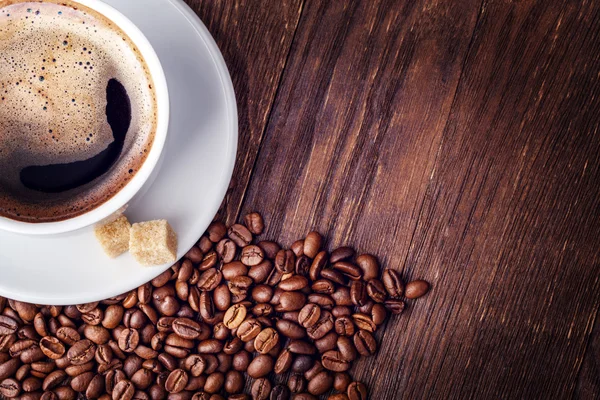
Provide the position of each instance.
(291, 301)
(132, 364)
(145, 352)
(254, 222)
(364, 322)
(233, 269)
(416, 289)
(321, 327)
(274, 277)
(82, 381)
(262, 309)
(44, 367)
(270, 248)
(29, 332)
(168, 361)
(153, 365)
(95, 388)
(366, 309)
(195, 364)
(376, 290)
(280, 392)
(346, 348)
(54, 379)
(358, 293)
(32, 355)
(240, 235)
(195, 383)
(341, 254)
(7, 341)
(221, 332)
(176, 381)
(365, 343)
(309, 315)
(259, 273)
(338, 396)
(333, 360)
(341, 381)
(93, 317)
(201, 396)
(302, 265)
(340, 311)
(301, 347)
(22, 372)
(8, 368)
(97, 334)
(8, 326)
(369, 266)
(296, 282)
(52, 347)
(357, 391)
(323, 286)
(20, 346)
(186, 328)
(182, 289)
(285, 261)
(352, 271)
(10, 388)
(112, 378)
(104, 354)
(378, 314)
(334, 276)
(221, 297)
(209, 261)
(239, 284)
(75, 370)
(113, 316)
(216, 231)
(194, 255)
(298, 247)
(159, 281)
(320, 384)
(81, 352)
(302, 363)
(261, 389)
(87, 307)
(327, 342)
(312, 244)
(233, 382)
(290, 329)
(266, 340)
(296, 383)
(314, 370)
(344, 326)
(204, 244)
(39, 324)
(68, 335)
(142, 378)
(65, 393)
(129, 340)
(260, 366)
(248, 330)
(233, 345)
(124, 390)
(342, 296)
(319, 262)
(252, 255)
(234, 316)
(395, 306)
(210, 279)
(227, 250)
(393, 283)
(210, 346)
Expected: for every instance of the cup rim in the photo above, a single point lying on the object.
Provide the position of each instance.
(124, 195)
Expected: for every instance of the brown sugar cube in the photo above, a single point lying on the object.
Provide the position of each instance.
(114, 236)
(153, 242)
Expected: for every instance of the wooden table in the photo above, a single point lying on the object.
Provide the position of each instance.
(457, 140)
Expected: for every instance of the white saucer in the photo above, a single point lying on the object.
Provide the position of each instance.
(188, 189)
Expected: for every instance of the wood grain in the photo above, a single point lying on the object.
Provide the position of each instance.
(255, 40)
(459, 142)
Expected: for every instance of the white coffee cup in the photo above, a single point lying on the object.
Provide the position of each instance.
(120, 200)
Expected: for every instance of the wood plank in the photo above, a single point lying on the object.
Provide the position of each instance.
(255, 40)
(509, 229)
(588, 382)
(355, 130)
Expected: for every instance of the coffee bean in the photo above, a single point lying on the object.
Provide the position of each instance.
(280, 392)
(357, 391)
(248, 330)
(233, 345)
(367, 307)
(227, 250)
(204, 244)
(416, 289)
(176, 381)
(338, 396)
(222, 297)
(302, 363)
(209, 261)
(201, 396)
(194, 255)
(97, 334)
(285, 261)
(210, 346)
(32, 355)
(321, 327)
(266, 340)
(334, 276)
(240, 235)
(283, 362)
(234, 382)
(65, 393)
(158, 282)
(369, 266)
(358, 293)
(270, 248)
(54, 379)
(132, 364)
(153, 365)
(68, 335)
(274, 277)
(302, 265)
(214, 382)
(39, 324)
(195, 383)
(296, 282)
(350, 270)
(327, 342)
(52, 347)
(87, 307)
(182, 290)
(323, 286)
(129, 340)
(290, 329)
(364, 322)
(112, 316)
(378, 314)
(82, 381)
(8, 326)
(20, 346)
(346, 348)
(341, 254)
(262, 293)
(320, 383)
(261, 389)
(10, 388)
(216, 231)
(81, 352)
(301, 347)
(95, 388)
(365, 343)
(260, 366)
(239, 285)
(252, 255)
(186, 328)
(255, 223)
(112, 378)
(393, 283)
(6, 342)
(312, 244)
(221, 332)
(124, 390)
(340, 311)
(309, 315)
(341, 381)
(210, 279)
(291, 301)
(344, 326)
(333, 360)
(376, 290)
(259, 273)
(296, 383)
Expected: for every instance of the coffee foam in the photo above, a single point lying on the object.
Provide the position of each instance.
(56, 59)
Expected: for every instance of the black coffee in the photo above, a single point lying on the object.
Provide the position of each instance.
(77, 110)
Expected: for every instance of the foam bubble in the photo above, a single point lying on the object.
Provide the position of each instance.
(56, 60)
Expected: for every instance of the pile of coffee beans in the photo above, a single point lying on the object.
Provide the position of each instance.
(227, 310)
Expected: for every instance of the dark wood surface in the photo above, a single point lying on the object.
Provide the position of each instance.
(458, 141)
